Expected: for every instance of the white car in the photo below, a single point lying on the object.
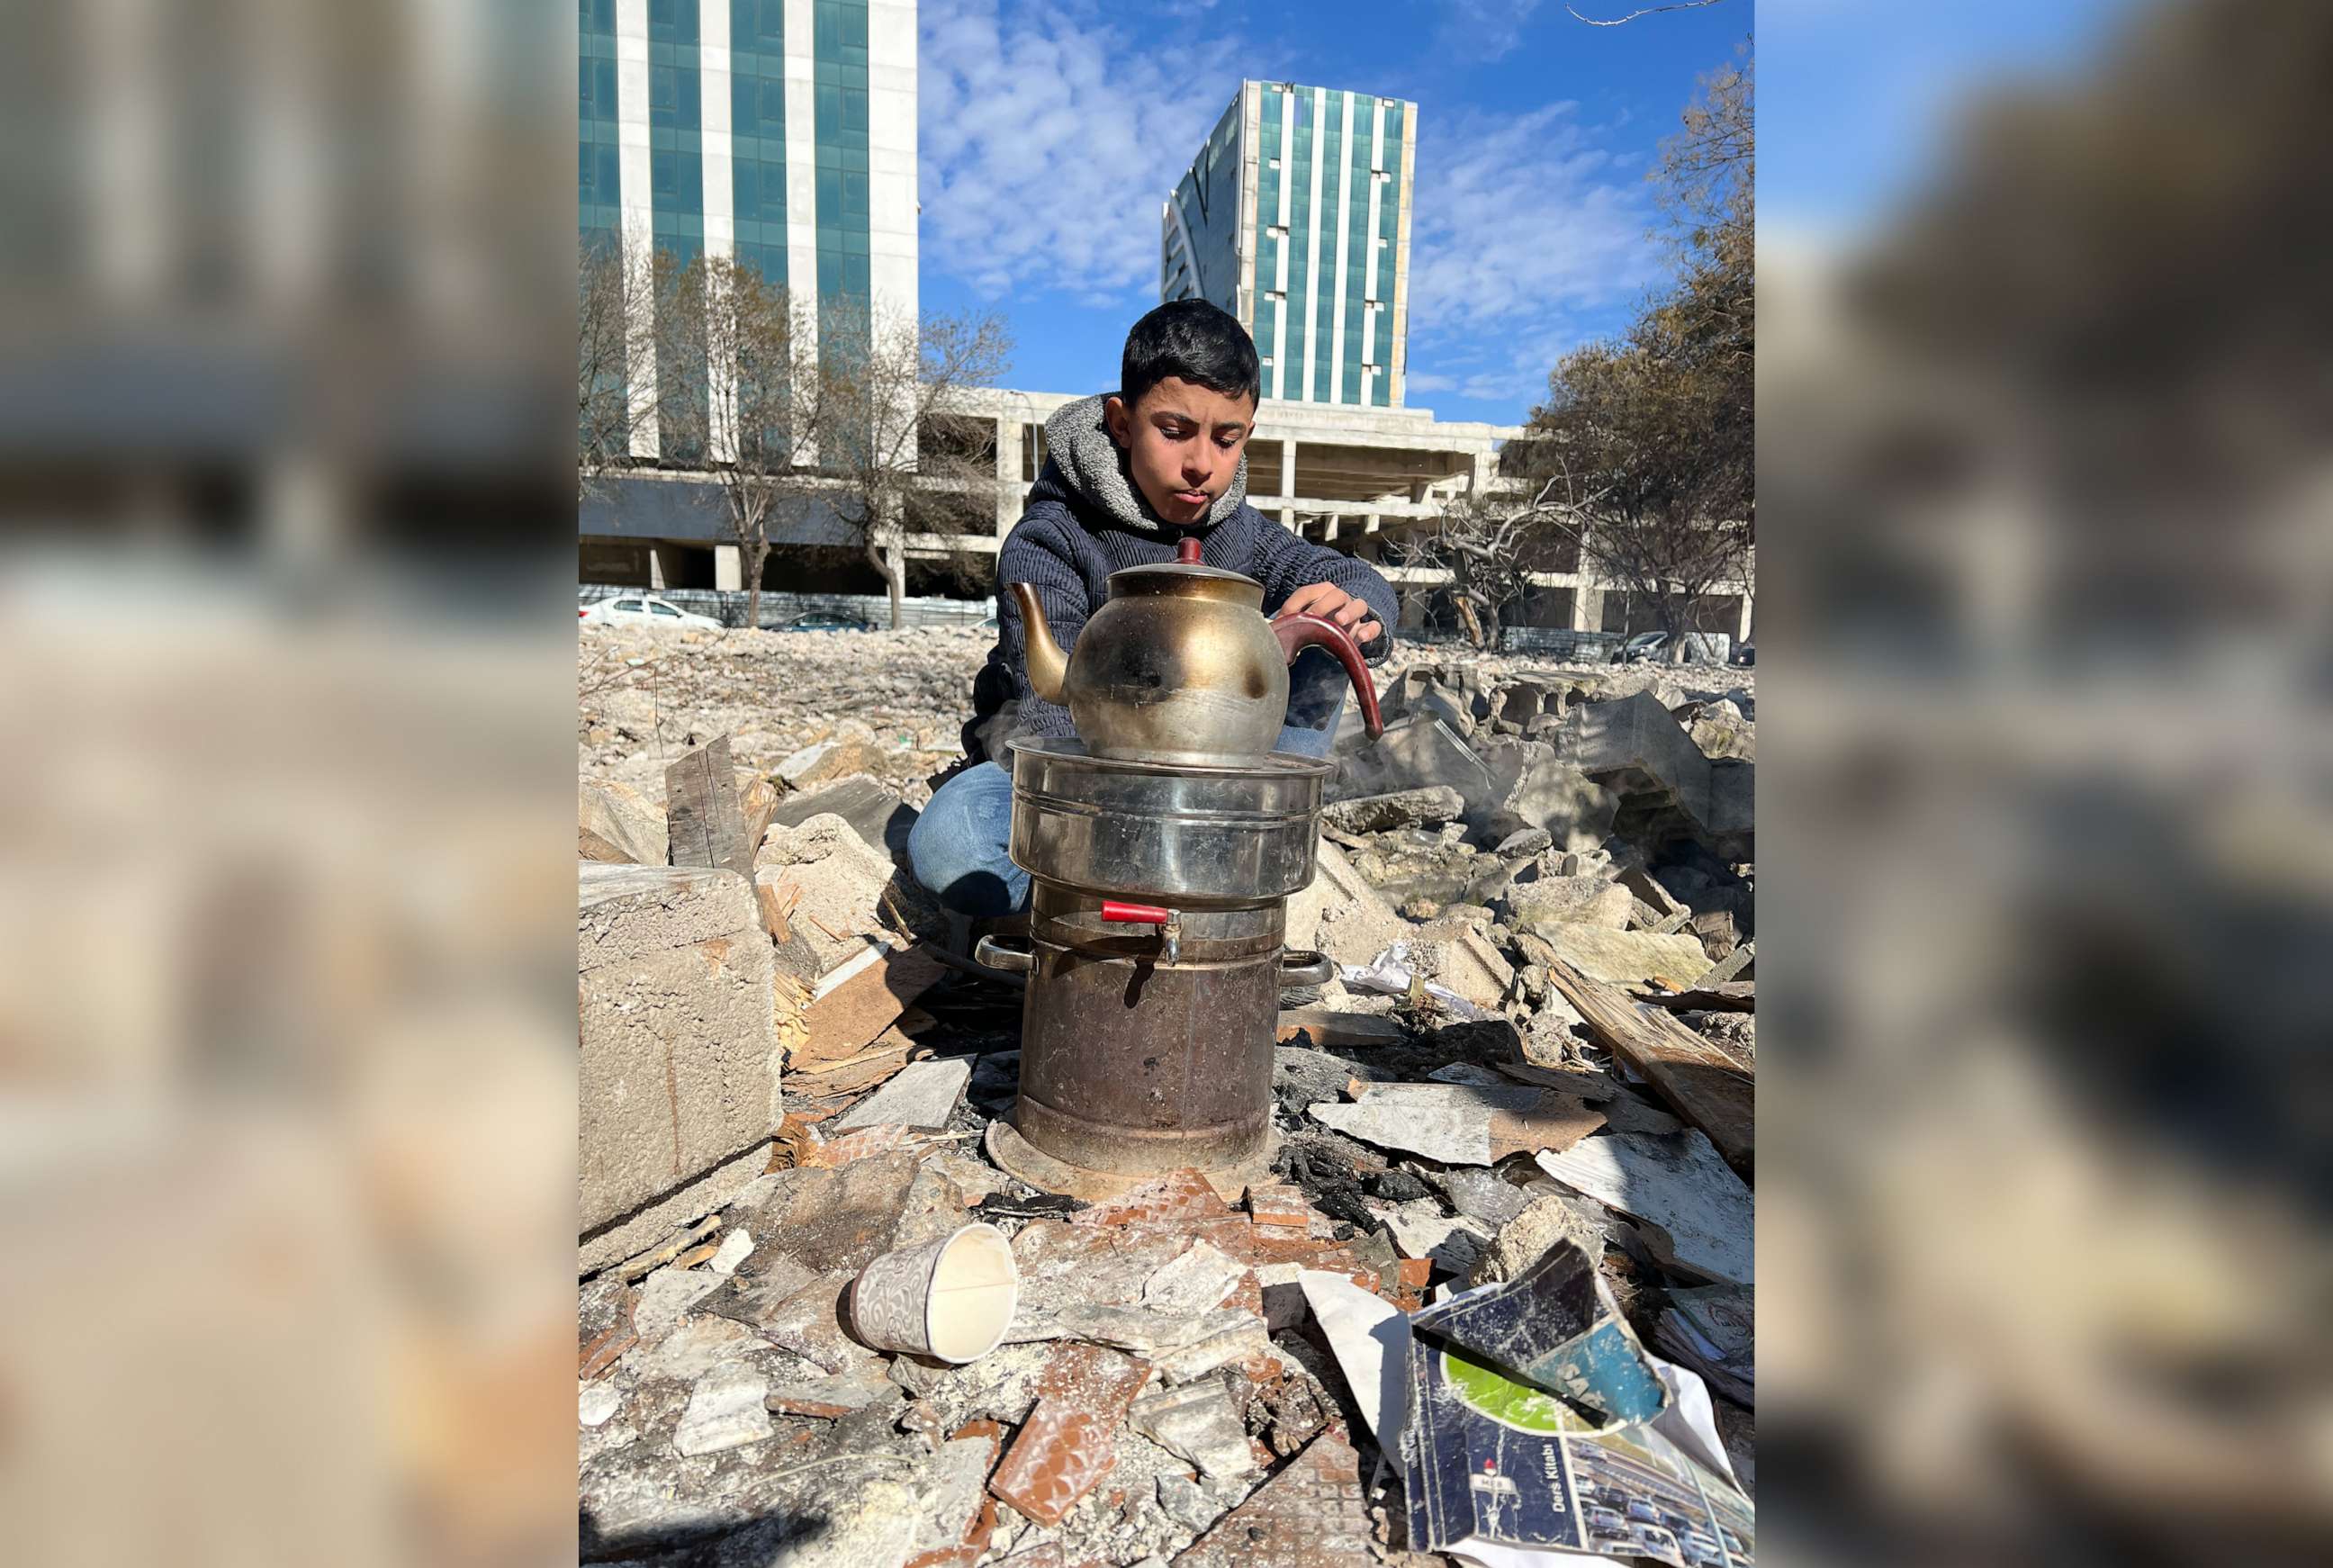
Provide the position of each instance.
(630, 607)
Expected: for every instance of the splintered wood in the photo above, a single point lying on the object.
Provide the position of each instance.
(1709, 1089)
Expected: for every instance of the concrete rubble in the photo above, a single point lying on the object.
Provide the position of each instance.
(781, 1084)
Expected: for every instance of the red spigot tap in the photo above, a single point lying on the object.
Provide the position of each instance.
(1168, 921)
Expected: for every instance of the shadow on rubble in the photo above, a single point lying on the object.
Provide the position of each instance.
(757, 1539)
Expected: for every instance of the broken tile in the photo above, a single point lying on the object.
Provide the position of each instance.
(1195, 1281)
(1097, 1380)
(1177, 1197)
(1314, 1511)
(923, 1095)
(1199, 1422)
(725, 1412)
(1280, 1204)
(1680, 1184)
(1062, 1454)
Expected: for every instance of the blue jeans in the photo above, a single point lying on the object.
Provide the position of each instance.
(958, 847)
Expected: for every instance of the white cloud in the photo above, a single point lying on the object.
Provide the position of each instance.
(1527, 239)
(1485, 28)
(1048, 140)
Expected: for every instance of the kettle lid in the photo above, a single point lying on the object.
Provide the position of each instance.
(1186, 575)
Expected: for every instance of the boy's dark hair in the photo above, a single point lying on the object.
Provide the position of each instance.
(1194, 341)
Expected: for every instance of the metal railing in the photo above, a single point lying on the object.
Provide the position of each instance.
(727, 605)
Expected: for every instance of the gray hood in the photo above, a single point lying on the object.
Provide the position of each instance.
(1091, 464)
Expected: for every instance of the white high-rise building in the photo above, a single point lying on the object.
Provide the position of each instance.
(1295, 218)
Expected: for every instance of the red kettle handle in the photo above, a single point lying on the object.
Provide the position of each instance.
(1299, 632)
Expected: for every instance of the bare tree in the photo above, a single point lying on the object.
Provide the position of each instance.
(615, 312)
(741, 399)
(899, 441)
(1489, 546)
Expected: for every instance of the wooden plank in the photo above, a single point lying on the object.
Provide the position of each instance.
(1329, 1027)
(861, 999)
(1725, 996)
(1732, 964)
(704, 823)
(1708, 1087)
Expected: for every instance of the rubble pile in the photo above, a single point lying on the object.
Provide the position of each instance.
(1510, 1198)
(888, 704)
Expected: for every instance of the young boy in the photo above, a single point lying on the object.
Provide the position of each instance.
(1126, 476)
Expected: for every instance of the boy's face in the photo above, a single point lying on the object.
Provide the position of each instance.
(1183, 441)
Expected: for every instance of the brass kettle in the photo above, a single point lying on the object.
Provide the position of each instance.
(1179, 665)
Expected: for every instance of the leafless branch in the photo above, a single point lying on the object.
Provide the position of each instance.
(1647, 11)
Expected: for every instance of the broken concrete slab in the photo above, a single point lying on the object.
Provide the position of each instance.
(1548, 1219)
(1430, 806)
(1349, 920)
(924, 1095)
(1531, 788)
(1569, 900)
(874, 813)
(1624, 957)
(841, 881)
(1417, 753)
(851, 749)
(1453, 951)
(679, 1053)
(1680, 1184)
(617, 825)
(1669, 789)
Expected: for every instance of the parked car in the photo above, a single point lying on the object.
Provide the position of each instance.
(1658, 1543)
(1700, 647)
(1604, 1521)
(630, 606)
(1700, 1550)
(820, 621)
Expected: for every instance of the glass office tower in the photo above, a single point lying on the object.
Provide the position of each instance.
(1295, 217)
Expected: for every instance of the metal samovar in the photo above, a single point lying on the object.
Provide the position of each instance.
(1162, 846)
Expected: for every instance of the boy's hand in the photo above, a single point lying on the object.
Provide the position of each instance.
(1332, 603)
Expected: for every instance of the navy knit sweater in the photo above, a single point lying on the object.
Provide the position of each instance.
(1086, 520)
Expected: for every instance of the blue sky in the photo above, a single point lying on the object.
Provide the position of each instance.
(1050, 133)
(1854, 95)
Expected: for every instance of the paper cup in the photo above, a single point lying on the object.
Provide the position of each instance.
(950, 1299)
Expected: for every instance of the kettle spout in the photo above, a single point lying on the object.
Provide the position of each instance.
(1047, 664)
